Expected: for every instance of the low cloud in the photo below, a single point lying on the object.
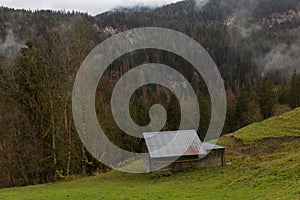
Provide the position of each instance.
(9, 48)
(242, 19)
(282, 57)
(93, 7)
(201, 3)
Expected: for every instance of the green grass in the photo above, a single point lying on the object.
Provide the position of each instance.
(287, 124)
(265, 160)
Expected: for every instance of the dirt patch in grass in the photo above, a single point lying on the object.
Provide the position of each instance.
(261, 147)
(269, 145)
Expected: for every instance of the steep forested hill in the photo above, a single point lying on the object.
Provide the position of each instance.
(241, 36)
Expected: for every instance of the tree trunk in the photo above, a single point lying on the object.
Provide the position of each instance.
(69, 139)
(53, 142)
(84, 159)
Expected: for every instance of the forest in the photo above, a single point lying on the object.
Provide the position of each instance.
(255, 46)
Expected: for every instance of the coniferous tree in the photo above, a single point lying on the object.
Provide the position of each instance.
(266, 97)
(253, 113)
(294, 96)
(284, 94)
(29, 90)
(173, 112)
(241, 108)
(205, 114)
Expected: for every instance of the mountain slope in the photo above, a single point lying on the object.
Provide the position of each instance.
(263, 163)
(241, 36)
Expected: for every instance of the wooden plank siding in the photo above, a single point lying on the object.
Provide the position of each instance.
(214, 158)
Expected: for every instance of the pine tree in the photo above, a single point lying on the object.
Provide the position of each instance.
(284, 94)
(294, 96)
(205, 114)
(266, 97)
(253, 113)
(241, 108)
(173, 112)
(30, 91)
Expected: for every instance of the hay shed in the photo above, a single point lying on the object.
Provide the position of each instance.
(183, 149)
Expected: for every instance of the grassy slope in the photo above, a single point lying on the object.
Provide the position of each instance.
(265, 161)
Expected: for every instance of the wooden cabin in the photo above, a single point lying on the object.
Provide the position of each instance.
(179, 151)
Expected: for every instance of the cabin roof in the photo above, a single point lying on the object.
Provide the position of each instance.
(173, 144)
(208, 146)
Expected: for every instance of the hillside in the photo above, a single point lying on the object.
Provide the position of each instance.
(255, 44)
(240, 36)
(263, 163)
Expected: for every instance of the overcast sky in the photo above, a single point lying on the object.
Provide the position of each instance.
(93, 7)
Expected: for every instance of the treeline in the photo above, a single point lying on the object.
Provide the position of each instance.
(38, 141)
(32, 24)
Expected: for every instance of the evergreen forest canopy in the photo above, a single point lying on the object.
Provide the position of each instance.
(255, 45)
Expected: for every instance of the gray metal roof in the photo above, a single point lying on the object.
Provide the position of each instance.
(173, 143)
(208, 146)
